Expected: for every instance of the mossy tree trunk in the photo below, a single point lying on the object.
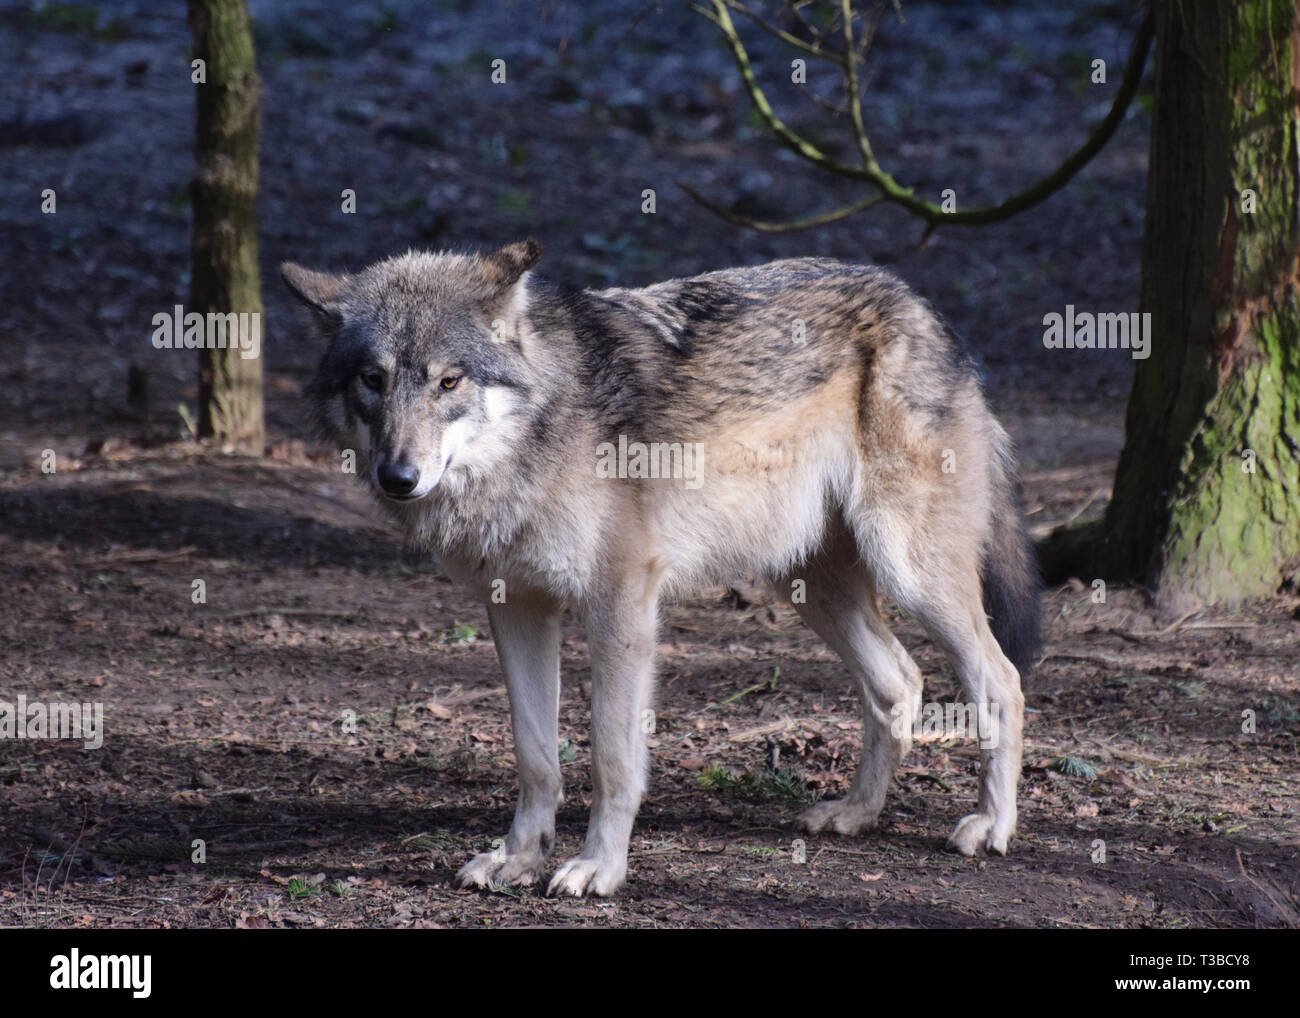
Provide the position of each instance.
(223, 256)
(1206, 507)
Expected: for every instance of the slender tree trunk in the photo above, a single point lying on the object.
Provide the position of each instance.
(224, 263)
(1206, 505)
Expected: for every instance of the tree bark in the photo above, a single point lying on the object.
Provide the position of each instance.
(1206, 506)
(225, 276)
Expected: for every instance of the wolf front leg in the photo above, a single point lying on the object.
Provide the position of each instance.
(621, 634)
(526, 630)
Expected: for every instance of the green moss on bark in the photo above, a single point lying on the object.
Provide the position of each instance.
(1235, 520)
(1194, 515)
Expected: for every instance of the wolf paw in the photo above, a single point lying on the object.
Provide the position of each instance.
(501, 868)
(979, 831)
(581, 876)
(839, 815)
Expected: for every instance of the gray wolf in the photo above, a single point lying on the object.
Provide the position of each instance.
(812, 422)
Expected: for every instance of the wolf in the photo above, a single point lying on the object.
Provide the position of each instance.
(841, 448)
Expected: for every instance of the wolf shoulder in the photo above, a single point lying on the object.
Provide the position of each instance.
(801, 308)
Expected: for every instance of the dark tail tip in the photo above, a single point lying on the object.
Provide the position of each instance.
(1012, 587)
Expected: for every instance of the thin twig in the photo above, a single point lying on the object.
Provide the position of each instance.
(871, 172)
(926, 776)
(770, 227)
(1262, 890)
(323, 613)
(813, 48)
(73, 852)
(1176, 623)
(132, 558)
(766, 683)
(851, 82)
(771, 728)
(1096, 494)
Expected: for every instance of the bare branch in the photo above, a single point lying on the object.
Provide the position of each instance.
(839, 109)
(812, 48)
(796, 7)
(769, 227)
(851, 82)
(872, 173)
(796, 142)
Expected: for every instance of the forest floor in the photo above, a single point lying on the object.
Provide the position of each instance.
(331, 724)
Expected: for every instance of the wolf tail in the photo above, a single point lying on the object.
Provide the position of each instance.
(1009, 572)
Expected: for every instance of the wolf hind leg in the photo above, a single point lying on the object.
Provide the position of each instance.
(940, 587)
(992, 685)
(839, 605)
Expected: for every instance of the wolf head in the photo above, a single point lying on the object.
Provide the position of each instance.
(424, 372)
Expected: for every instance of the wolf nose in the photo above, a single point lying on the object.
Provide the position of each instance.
(398, 478)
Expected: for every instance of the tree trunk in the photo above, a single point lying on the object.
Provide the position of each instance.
(224, 263)
(1206, 507)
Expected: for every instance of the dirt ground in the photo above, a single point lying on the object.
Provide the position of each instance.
(331, 724)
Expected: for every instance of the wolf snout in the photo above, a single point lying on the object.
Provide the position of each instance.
(398, 477)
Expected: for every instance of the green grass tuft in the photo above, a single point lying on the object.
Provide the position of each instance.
(1076, 767)
(781, 783)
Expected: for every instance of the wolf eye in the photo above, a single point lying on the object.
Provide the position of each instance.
(449, 383)
(373, 380)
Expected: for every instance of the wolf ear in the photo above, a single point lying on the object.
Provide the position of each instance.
(506, 265)
(318, 291)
